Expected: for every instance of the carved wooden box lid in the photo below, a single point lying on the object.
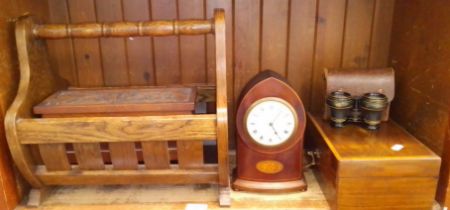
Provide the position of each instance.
(119, 100)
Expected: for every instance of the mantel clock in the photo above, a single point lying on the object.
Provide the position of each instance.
(270, 126)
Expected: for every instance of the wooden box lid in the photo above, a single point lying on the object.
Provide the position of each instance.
(118, 100)
(389, 151)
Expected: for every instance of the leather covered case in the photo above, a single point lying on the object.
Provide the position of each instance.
(360, 81)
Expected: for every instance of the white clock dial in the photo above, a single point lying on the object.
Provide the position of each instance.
(270, 121)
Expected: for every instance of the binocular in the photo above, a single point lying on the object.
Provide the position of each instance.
(367, 108)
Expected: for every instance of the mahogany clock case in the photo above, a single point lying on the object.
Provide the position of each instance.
(249, 153)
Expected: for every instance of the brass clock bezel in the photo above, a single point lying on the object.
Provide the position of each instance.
(284, 102)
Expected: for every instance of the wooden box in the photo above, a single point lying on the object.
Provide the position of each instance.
(119, 101)
(362, 169)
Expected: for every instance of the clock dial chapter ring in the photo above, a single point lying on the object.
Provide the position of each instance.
(273, 122)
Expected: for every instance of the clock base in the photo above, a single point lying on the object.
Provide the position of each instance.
(269, 187)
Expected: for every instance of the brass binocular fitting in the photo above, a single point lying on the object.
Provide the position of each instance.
(367, 108)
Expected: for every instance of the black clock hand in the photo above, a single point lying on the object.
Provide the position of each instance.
(274, 131)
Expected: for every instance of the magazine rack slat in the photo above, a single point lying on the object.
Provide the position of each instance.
(52, 133)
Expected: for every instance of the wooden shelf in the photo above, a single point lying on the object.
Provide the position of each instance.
(150, 197)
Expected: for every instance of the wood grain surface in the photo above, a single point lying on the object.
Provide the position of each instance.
(442, 194)
(150, 197)
(34, 86)
(222, 108)
(328, 46)
(284, 36)
(12, 189)
(166, 49)
(116, 129)
(107, 32)
(419, 53)
(274, 29)
(54, 157)
(361, 170)
(421, 70)
(302, 31)
(288, 154)
(118, 100)
(112, 50)
(332, 44)
(204, 175)
(156, 155)
(89, 160)
(139, 53)
(192, 48)
(96, 102)
(87, 53)
(357, 33)
(354, 142)
(59, 14)
(9, 195)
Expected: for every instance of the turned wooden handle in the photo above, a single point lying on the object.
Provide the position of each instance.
(123, 29)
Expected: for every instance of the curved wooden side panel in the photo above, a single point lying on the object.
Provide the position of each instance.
(222, 108)
(37, 81)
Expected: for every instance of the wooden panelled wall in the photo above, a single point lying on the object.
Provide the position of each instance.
(296, 38)
(420, 53)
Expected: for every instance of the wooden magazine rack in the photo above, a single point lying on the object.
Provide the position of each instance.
(51, 134)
